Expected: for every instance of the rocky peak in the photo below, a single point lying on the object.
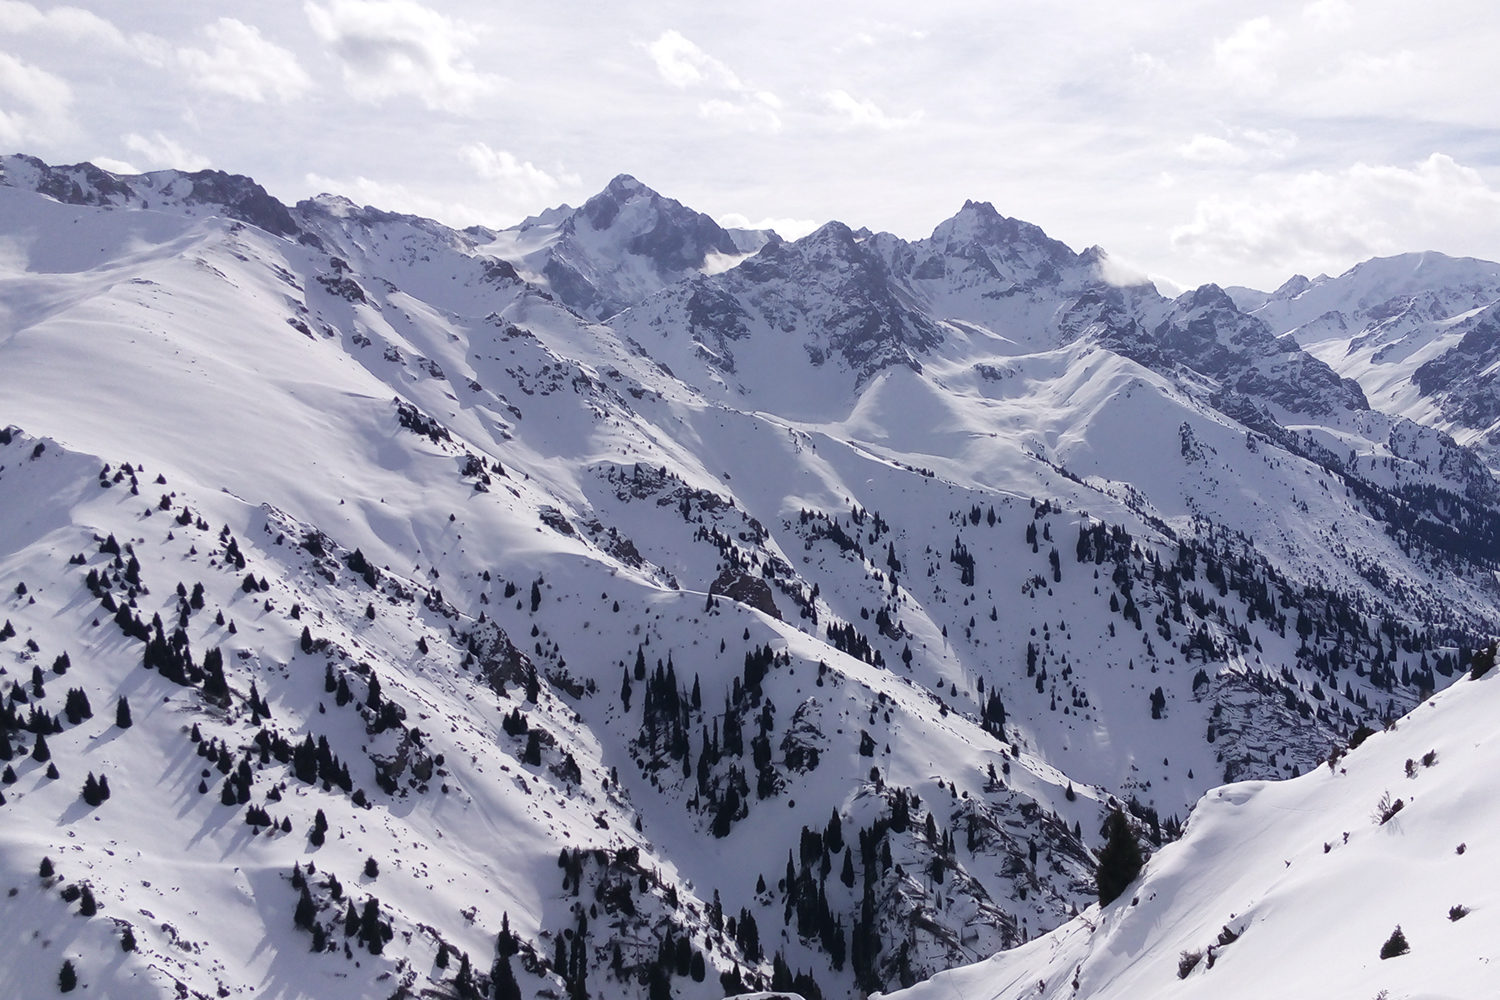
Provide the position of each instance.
(233, 195)
(1292, 287)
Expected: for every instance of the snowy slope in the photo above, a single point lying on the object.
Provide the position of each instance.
(957, 542)
(1293, 888)
(1397, 326)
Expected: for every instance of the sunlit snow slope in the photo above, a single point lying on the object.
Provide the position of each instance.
(1293, 888)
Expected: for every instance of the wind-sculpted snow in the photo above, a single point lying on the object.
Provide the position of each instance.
(797, 628)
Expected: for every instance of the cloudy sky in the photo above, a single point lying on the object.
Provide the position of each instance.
(1198, 140)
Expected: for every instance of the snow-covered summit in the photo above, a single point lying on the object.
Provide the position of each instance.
(619, 246)
(234, 195)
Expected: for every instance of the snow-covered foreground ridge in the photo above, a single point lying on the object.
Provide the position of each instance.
(1294, 888)
(566, 610)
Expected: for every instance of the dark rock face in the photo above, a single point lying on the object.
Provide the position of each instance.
(834, 286)
(1206, 333)
(747, 589)
(674, 240)
(1463, 378)
(237, 196)
(678, 238)
(242, 199)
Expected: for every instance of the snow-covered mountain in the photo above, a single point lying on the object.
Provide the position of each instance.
(665, 628)
(1417, 332)
(620, 246)
(1364, 878)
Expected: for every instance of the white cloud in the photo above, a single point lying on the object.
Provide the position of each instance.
(1330, 15)
(114, 166)
(1326, 221)
(160, 151)
(1237, 146)
(758, 111)
(1246, 57)
(874, 34)
(785, 227)
(391, 48)
(395, 197)
(81, 26)
(511, 191)
(34, 104)
(684, 65)
(1211, 149)
(524, 181)
(1148, 65)
(865, 113)
(239, 61)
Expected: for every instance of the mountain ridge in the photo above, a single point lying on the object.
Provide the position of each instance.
(1019, 576)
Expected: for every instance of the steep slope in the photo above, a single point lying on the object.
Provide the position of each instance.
(878, 568)
(619, 246)
(1410, 329)
(1297, 887)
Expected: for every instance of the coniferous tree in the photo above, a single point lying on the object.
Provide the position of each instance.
(505, 942)
(463, 983)
(122, 713)
(67, 979)
(315, 836)
(39, 751)
(1120, 860)
(306, 912)
(503, 980)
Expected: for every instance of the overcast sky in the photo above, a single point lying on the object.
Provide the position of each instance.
(1197, 140)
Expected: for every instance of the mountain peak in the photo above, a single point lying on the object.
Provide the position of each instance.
(234, 195)
(1292, 287)
(979, 224)
(1209, 296)
(624, 185)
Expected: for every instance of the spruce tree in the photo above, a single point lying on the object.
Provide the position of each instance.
(122, 713)
(67, 979)
(503, 979)
(1120, 860)
(306, 911)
